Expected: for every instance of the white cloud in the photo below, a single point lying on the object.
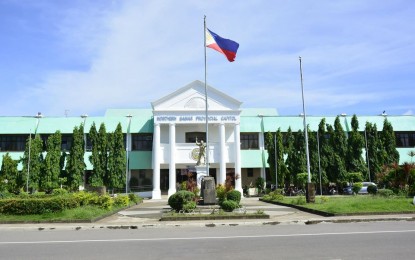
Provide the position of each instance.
(127, 54)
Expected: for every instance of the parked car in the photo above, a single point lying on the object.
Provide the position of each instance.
(348, 190)
(363, 190)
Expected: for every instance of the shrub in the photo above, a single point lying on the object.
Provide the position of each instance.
(86, 198)
(234, 195)
(221, 193)
(57, 192)
(274, 195)
(105, 202)
(279, 191)
(372, 189)
(178, 200)
(188, 207)
(300, 200)
(26, 206)
(134, 198)
(121, 201)
(356, 187)
(229, 205)
(385, 192)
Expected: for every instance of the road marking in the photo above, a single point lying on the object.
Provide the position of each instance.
(198, 238)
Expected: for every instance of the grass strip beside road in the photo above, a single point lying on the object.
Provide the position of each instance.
(355, 205)
(81, 214)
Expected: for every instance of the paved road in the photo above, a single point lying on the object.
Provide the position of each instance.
(367, 240)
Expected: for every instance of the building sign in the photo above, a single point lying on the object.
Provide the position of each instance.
(196, 119)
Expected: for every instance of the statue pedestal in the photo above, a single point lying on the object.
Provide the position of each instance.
(200, 173)
(208, 191)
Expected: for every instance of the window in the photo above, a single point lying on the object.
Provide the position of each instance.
(191, 137)
(66, 144)
(250, 172)
(405, 139)
(249, 141)
(13, 142)
(142, 142)
(66, 141)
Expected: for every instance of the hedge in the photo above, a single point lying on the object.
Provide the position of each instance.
(27, 206)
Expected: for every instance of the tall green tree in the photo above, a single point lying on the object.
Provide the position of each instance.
(116, 174)
(325, 150)
(98, 155)
(374, 150)
(49, 179)
(271, 160)
(281, 167)
(95, 179)
(36, 161)
(336, 161)
(10, 178)
(339, 140)
(298, 160)
(313, 152)
(75, 167)
(387, 136)
(290, 150)
(356, 145)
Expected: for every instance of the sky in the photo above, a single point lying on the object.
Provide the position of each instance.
(67, 58)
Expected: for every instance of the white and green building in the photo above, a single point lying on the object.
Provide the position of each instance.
(161, 140)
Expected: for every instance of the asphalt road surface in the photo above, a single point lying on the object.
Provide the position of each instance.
(373, 240)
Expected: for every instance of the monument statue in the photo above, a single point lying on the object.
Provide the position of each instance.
(202, 153)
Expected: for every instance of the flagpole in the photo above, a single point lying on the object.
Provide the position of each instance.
(206, 101)
(306, 135)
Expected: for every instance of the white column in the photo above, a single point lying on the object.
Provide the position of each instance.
(237, 148)
(222, 161)
(172, 163)
(156, 163)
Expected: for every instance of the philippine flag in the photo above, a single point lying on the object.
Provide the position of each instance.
(222, 45)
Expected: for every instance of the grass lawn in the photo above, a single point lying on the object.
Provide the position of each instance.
(360, 204)
(81, 214)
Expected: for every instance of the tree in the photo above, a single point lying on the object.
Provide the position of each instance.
(298, 160)
(387, 137)
(325, 150)
(270, 146)
(49, 180)
(374, 150)
(281, 167)
(116, 174)
(336, 166)
(291, 157)
(339, 140)
(313, 151)
(356, 143)
(36, 161)
(99, 155)
(10, 178)
(76, 165)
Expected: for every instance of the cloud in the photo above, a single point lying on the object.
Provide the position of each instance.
(129, 53)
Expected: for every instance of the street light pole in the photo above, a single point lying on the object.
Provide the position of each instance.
(84, 116)
(310, 190)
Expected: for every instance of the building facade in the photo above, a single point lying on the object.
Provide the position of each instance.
(161, 141)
